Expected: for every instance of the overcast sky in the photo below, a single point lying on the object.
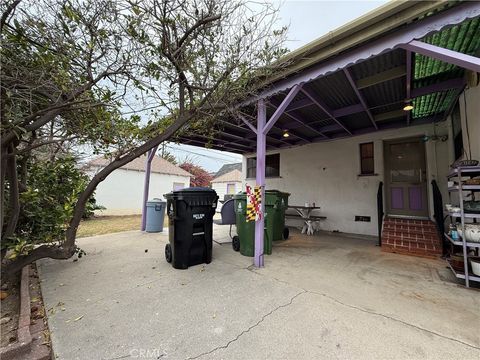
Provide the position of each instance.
(307, 20)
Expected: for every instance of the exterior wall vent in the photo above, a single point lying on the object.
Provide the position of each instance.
(362, 218)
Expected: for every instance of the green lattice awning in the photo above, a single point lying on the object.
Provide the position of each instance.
(464, 38)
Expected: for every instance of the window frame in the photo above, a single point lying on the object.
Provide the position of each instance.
(252, 166)
(363, 158)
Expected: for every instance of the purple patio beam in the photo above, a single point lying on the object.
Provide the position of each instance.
(303, 138)
(235, 126)
(250, 135)
(360, 96)
(219, 147)
(348, 110)
(458, 83)
(298, 104)
(253, 136)
(272, 138)
(260, 181)
(325, 109)
(356, 108)
(281, 108)
(222, 143)
(246, 122)
(387, 126)
(146, 185)
(323, 129)
(236, 137)
(298, 120)
(408, 87)
(416, 30)
(449, 56)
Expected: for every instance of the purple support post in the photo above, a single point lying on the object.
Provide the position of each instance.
(260, 180)
(146, 186)
(408, 90)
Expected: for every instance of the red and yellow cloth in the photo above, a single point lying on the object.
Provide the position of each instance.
(254, 203)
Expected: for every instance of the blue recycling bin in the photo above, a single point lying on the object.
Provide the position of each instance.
(155, 215)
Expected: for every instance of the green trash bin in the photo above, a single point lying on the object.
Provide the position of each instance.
(246, 230)
(276, 202)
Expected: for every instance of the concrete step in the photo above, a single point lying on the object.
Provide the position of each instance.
(411, 235)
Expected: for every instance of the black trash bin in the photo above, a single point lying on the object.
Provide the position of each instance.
(190, 224)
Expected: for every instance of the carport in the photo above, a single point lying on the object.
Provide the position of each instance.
(358, 79)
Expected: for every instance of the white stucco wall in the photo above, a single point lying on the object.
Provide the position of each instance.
(327, 174)
(122, 191)
(471, 138)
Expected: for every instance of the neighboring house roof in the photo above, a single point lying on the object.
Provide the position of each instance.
(232, 176)
(228, 168)
(159, 165)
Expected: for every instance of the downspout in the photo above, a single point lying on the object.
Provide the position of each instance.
(146, 186)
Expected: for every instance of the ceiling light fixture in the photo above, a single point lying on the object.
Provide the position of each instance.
(408, 105)
(285, 133)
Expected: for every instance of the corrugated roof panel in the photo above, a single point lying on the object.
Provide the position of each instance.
(356, 121)
(334, 90)
(432, 104)
(312, 113)
(377, 64)
(387, 108)
(385, 93)
(464, 38)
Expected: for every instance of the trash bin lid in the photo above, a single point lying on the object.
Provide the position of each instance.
(195, 190)
(155, 201)
(195, 195)
(240, 196)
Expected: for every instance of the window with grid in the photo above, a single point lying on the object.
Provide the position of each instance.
(272, 166)
(366, 159)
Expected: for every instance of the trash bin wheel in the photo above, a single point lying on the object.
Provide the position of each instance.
(286, 233)
(236, 243)
(168, 253)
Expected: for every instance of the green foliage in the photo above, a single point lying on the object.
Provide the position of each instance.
(169, 157)
(51, 192)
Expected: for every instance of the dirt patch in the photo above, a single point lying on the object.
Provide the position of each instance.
(10, 311)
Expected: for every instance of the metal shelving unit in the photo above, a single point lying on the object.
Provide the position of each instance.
(458, 174)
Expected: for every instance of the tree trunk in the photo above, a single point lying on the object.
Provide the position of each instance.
(14, 201)
(3, 169)
(68, 248)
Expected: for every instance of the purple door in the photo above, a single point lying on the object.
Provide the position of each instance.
(405, 177)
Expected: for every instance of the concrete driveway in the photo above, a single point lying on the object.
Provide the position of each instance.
(330, 297)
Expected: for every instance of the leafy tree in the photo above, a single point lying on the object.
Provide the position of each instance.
(116, 77)
(48, 201)
(167, 155)
(201, 177)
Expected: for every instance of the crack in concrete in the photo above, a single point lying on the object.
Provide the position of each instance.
(371, 312)
(393, 319)
(249, 328)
